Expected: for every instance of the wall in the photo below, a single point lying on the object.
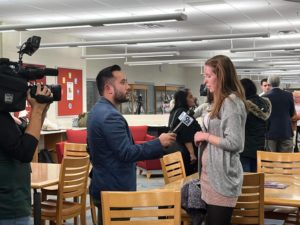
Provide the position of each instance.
(70, 58)
(61, 57)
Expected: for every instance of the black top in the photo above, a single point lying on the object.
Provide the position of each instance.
(16, 152)
(259, 110)
(184, 135)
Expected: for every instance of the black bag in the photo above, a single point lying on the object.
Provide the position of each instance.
(13, 90)
(192, 203)
(44, 156)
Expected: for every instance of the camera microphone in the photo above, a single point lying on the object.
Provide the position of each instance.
(186, 119)
(37, 73)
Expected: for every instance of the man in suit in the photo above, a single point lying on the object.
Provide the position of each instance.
(265, 86)
(279, 132)
(112, 151)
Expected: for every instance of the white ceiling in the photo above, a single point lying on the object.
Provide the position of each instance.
(278, 17)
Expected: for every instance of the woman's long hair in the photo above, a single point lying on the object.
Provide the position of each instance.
(180, 97)
(228, 82)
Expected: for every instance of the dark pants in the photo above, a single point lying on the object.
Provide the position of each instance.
(280, 145)
(190, 167)
(249, 164)
(218, 215)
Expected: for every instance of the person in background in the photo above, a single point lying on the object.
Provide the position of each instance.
(184, 101)
(295, 118)
(279, 134)
(265, 86)
(222, 172)
(17, 148)
(259, 110)
(110, 145)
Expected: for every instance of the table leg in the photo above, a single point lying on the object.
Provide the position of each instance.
(36, 207)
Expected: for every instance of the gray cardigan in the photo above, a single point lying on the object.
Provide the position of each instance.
(224, 168)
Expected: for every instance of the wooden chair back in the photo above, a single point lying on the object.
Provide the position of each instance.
(250, 205)
(172, 167)
(75, 150)
(72, 184)
(282, 163)
(80, 150)
(73, 177)
(160, 207)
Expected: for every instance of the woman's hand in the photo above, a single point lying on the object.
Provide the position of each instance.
(200, 136)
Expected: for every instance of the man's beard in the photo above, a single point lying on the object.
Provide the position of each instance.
(120, 98)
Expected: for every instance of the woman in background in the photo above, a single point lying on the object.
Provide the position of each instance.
(184, 101)
(222, 172)
(259, 110)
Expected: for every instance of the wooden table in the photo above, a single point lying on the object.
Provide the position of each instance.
(43, 175)
(289, 196)
(48, 140)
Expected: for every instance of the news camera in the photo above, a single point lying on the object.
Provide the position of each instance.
(15, 76)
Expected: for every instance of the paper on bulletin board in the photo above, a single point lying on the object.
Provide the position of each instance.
(70, 91)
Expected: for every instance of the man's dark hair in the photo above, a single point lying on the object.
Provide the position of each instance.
(263, 80)
(104, 76)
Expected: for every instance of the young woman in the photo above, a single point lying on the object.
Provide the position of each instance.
(184, 101)
(259, 110)
(222, 173)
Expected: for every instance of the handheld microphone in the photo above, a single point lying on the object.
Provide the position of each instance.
(185, 118)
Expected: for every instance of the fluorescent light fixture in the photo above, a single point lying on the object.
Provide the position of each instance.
(57, 28)
(142, 22)
(99, 22)
(107, 57)
(138, 54)
(285, 57)
(263, 49)
(165, 43)
(181, 61)
(150, 56)
(155, 40)
(56, 47)
(173, 61)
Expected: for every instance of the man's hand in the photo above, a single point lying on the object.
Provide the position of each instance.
(167, 139)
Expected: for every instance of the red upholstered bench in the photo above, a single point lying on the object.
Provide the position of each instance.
(140, 136)
(73, 136)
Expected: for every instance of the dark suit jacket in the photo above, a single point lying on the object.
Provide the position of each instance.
(112, 151)
(283, 108)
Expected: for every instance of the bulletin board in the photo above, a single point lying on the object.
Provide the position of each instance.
(71, 91)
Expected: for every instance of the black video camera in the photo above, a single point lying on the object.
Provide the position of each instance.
(14, 78)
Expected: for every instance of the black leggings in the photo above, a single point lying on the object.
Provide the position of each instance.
(218, 215)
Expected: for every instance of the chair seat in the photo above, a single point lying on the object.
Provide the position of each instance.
(69, 209)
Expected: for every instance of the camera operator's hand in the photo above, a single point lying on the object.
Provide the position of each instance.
(38, 112)
(167, 139)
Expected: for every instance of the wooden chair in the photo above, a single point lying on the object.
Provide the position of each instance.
(72, 184)
(72, 150)
(160, 207)
(250, 205)
(280, 163)
(172, 167)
